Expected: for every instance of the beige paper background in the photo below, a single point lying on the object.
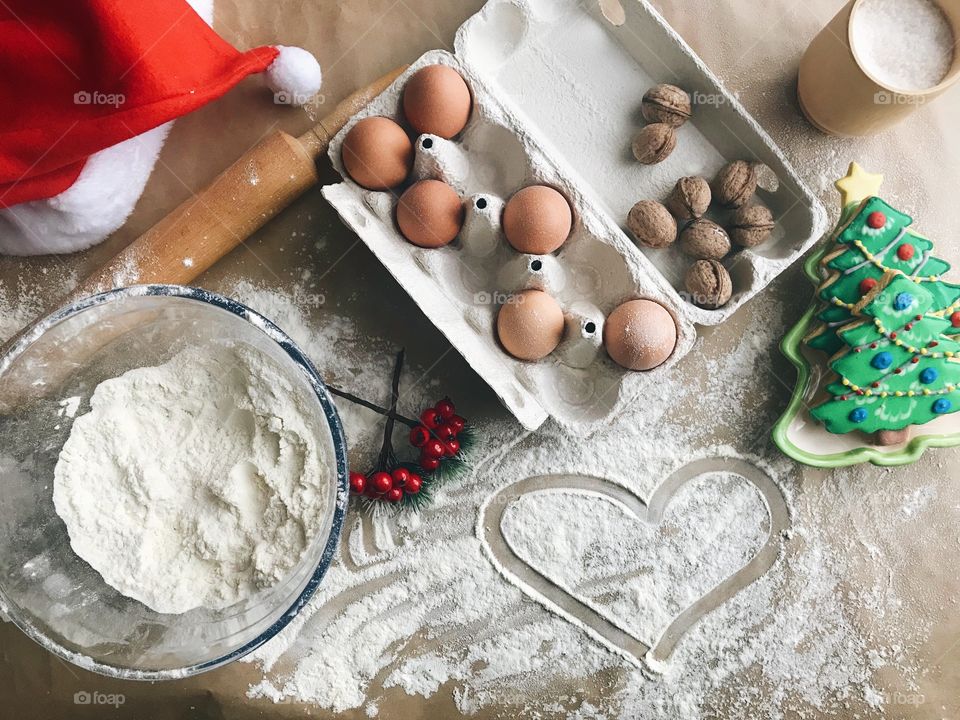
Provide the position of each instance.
(755, 47)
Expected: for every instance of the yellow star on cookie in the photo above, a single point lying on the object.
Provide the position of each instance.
(858, 185)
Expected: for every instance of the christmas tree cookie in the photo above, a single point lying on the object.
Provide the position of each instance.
(899, 367)
(874, 240)
(877, 353)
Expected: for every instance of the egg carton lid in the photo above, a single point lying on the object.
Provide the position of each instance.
(577, 70)
(574, 80)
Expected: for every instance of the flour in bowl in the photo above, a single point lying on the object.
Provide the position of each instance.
(195, 483)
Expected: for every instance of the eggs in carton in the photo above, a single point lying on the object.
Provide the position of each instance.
(549, 130)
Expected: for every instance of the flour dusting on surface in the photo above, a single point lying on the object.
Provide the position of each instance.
(413, 603)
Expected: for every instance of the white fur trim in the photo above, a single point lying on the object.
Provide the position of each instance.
(98, 203)
(203, 8)
(295, 76)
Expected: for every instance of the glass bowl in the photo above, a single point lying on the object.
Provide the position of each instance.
(46, 379)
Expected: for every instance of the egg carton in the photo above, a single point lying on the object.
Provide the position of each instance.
(557, 86)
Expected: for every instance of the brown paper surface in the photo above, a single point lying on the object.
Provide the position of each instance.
(755, 48)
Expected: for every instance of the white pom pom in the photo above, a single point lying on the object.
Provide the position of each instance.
(294, 76)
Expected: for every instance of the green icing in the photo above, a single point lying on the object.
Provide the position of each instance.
(860, 363)
(848, 266)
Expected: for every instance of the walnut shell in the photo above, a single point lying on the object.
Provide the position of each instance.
(708, 284)
(705, 240)
(751, 225)
(690, 198)
(666, 104)
(654, 143)
(652, 224)
(735, 184)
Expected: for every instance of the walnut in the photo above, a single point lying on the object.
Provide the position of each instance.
(652, 224)
(751, 225)
(654, 143)
(666, 104)
(709, 284)
(690, 198)
(705, 240)
(735, 184)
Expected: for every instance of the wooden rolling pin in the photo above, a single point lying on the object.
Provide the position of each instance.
(241, 200)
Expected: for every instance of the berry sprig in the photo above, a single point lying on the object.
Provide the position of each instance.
(442, 437)
(436, 437)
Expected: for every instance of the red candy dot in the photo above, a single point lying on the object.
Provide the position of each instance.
(867, 285)
(905, 251)
(955, 319)
(876, 220)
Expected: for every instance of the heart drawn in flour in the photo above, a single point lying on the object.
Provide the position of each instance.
(640, 579)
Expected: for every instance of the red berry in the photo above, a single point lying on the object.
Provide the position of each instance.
(876, 220)
(400, 476)
(445, 432)
(867, 285)
(429, 463)
(457, 423)
(433, 449)
(358, 482)
(955, 319)
(905, 251)
(430, 418)
(413, 484)
(381, 481)
(419, 436)
(446, 409)
(394, 495)
(451, 448)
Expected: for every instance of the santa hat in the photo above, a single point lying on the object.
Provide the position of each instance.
(80, 76)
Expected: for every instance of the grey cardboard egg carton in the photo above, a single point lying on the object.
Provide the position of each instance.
(557, 90)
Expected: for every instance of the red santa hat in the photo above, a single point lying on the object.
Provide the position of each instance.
(79, 76)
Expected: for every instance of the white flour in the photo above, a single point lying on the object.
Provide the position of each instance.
(413, 605)
(905, 44)
(195, 483)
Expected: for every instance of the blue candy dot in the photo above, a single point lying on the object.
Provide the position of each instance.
(881, 361)
(903, 301)
(928, 376)
(858, 415)
(942, 405)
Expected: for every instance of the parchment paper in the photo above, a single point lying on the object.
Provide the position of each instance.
(754, 46)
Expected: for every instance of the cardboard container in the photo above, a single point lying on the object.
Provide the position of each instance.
(557, 86)
(840, 97)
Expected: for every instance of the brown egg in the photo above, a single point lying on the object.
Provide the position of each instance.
(436, 100)
(537, 220)
(377, 153)
(530, 325)
(640, 334)
(430, 214)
